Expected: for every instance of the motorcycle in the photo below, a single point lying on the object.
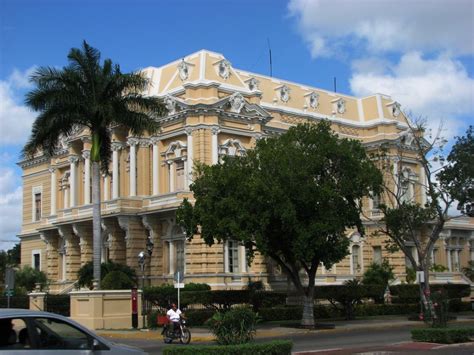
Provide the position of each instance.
(170, 333)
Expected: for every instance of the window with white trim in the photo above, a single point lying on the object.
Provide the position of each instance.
(356, 264)
(233, 256)
(179, 175)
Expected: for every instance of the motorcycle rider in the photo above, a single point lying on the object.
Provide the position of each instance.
(174, 314)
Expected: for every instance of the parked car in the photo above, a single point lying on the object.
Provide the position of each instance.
(49, 333)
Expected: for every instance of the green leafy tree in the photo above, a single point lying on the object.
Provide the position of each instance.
(409, 222)
(292, 199)
(89, 94)
(378, 274)
(85, 274)
(26, 279)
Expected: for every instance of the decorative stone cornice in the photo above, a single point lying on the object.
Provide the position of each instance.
(155, 140)
(86, 154)
(215, 130)
(124, 222)
(133, 141)
(116, 146)
(73, 159)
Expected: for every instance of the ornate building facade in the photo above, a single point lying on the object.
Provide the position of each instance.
(214, 110)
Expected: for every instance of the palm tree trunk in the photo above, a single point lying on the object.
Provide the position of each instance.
(96, 223)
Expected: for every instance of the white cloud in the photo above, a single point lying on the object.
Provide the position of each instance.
(385, 25)
(439, 88)
(15, 118)
(10, 207)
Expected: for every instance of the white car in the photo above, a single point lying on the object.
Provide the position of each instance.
(23, 331)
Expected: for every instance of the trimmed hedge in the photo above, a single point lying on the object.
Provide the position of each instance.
(410, 293)
(277, 347)
(442, 335)
(194, 317)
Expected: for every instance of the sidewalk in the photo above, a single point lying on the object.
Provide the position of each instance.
(202, 334)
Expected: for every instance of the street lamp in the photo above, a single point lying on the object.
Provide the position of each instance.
(141, 262)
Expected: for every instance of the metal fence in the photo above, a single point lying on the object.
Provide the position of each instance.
(15, 302)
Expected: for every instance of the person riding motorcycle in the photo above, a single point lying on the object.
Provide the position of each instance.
(174, 315)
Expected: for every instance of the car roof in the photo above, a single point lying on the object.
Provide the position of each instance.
(18, 312)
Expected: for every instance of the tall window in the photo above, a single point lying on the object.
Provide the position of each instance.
(356, 264)
(233, 256)
(378, 255)
(36, 260)
(180, 175)
(37, 198)
(376, 201)
(179, 245)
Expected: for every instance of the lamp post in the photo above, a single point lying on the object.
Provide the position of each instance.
(149, 249)
(141, 262)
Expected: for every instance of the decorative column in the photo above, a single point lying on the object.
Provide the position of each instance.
(190, 161)
(423, 186)
(73, 180)
(395, 176)
(155, 166)
(448, 254)
(214, 145)
(242, 259)
(132, 142)
(86, 154)
(171, 256)
(226, 256)
(115, 169)
(106, 187)
(53, 191)
(171, 174)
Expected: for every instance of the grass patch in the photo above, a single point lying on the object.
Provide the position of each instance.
(277, 347)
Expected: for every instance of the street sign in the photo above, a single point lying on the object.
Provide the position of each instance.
(178, 276)
(9, 279)
(420, 277)
(179, 285)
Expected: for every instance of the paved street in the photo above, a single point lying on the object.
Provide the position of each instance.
(361, 337)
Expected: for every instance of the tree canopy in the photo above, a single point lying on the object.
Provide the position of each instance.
(292, 198)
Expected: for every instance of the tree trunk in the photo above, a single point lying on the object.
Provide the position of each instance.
(308, 308)
(96, 223)
(429, 315)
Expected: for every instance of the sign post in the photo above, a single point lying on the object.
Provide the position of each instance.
(179, 277)
(134, 308)
(9, 284)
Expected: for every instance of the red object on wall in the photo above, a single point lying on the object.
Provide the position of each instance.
(134, 301)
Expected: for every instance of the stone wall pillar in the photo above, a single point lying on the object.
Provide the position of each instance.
(53, 191)
(83, 232)
(73, 180)
(133, 142)
(153, 227)
(37, 301)
(52, 255)
(215, 145)
(135, 239)
(190, 160)
(114, 237)
(155, 166)
(86, 154)
(115, 169)
(72, 251)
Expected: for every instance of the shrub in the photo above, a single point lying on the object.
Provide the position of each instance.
(160, 296)
(276, 347)
(85, 274)
(411, 275)
(438, 268)
(442, 335)
(259, 299)
(236, 326)
(378, 274)
(410, 293)
(196, 287)
(197, 317)
(117, 280)
(27, 277)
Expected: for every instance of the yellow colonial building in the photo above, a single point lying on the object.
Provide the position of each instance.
(214, 110)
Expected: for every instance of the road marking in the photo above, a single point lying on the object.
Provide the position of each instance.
(315, 351)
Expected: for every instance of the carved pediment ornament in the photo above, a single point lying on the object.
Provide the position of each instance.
(223, 69)
(252, 84)
(396, 109)
(183, 70)
(312, 100)
(170, 104)
(341, 106)
(284, 93)
(237, 102)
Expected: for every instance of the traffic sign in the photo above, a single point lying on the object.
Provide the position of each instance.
(178, 276)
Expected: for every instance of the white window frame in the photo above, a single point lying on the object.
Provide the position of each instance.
(33, 253)
(36, 190)
(377, 247)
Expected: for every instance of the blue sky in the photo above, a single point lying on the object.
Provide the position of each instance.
(420, 52)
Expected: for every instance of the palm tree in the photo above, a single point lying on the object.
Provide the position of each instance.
(88, 94)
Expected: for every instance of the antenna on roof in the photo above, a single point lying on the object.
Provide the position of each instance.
(335, 87)
(270, 57)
